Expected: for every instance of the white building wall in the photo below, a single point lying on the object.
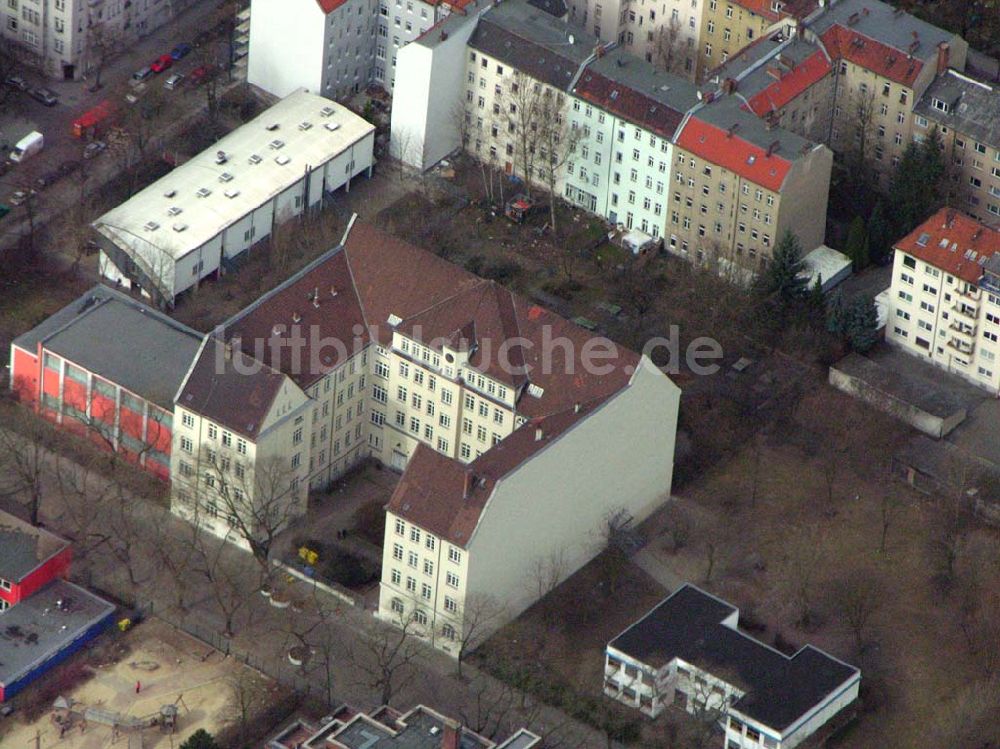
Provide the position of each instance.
(620, 456)
(287, 45)
(427, 99)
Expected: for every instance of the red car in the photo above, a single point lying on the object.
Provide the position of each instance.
(161, 63)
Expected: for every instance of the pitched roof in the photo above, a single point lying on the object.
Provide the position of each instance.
(446, 497)
(534, 42)
(896, 65)
(637, 92)
(229, 387)
(314, 308)
(328, 6)
(731, 151)
(953, 242)
(783, 85)
(779, 689)
(790, 8)
(973, 106)
(24, 547)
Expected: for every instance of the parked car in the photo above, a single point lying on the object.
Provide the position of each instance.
(180, 51)
(140, 75)
(161, 63)
(16, 81)
(28, 146)
(94, 149)
(136, 93)
(45, 96)
(199, 74)
(21, 196)
(173, 81)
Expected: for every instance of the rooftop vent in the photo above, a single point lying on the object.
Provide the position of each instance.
(220, 157)
(331, 126)
(232, 193)
(203, 192)
(255, 159)
(151, 226)
(272, 127)
(943, 242)
(394, 319)
(180, 227)
(922, 239)
(327, 111)
(282, 159)
(305, 125)
(276, 144)
(169, 193)
(225, 177)
(535, 391)
(174, 211)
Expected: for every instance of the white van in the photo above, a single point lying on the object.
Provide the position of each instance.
(27, 147)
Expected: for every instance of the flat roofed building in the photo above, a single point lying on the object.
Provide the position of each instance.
(688, 651)
(944, 303)
(193, 222)
(107, 366)
(30, 558)
(46, 629)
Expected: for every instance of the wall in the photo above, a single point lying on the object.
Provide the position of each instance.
(842, 697)
(286, 46)
(804, 197)
(56, 566)
(621, 455)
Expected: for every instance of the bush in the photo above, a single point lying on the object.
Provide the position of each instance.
(369, 522)
(348, 570)
(200, 739)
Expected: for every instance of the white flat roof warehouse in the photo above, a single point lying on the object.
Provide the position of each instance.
(182, 211)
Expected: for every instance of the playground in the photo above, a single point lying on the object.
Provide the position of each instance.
(165, 688)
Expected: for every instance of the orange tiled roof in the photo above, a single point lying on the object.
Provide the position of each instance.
(953, 242)
(789, 84)
(886, 61)
(734, 153)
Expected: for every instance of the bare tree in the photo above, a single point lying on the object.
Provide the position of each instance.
(557, 142)
(386, 654)
(248, 695)
(805, 558)
(477, 616)
(890, 507)
(858, 598)
(669, 48)
(26, 442)
(103, 43)
(216, 563)
(621, 541)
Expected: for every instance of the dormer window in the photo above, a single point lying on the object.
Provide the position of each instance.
(938, 104)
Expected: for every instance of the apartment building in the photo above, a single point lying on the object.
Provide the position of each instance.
(945, 296)
(626, 113)
(739, 184)
(239, 461)
(689, 652)
(966, 113)
(60, 37)
(107, 367)
(865, 62)
(333, 52)
(521, 64)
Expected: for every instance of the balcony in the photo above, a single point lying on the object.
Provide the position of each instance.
(963, 331)
(960, 346)
(965, 311)
(612, 668)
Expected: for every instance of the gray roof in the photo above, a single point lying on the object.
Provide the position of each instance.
(24, 547)
(666, 88)
(418, 729)
(973, 107)
(726, 111)
(750, 65)
(39, 627)
(880, 21)
(122, 340)
(534, 42)
(779, 689)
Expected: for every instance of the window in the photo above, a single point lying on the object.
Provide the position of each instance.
(412, 559)
(452, 580)
(397, 552)
(396, 577)
(415, 535)
(400, 527)
(187, 445)
(411, 585)
(397, 606)
(454, 555)
(429, 542)
(450, 604)
(187, 420)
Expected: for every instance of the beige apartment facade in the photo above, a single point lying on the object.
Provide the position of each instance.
(727, 27)
(945, 297)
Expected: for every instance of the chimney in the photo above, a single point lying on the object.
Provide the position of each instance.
(449, 734)
(728, 85)
(944, 54)
(576, 408)
(296, 317)
(852, 19)
(469, 481)
(539, 434)
(773, 147)
(333, 290)
(444, 35)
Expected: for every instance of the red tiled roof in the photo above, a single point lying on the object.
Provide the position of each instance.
(790, 84)
(328, 6)
(393, 277)
(322, 306)
(238, 398)
(446, 498)
(734, 153)
(880, 58)
(791, 8)
(947, 240)
(629, 104)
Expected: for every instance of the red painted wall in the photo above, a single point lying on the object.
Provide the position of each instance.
(55, 567)
(24, 375)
